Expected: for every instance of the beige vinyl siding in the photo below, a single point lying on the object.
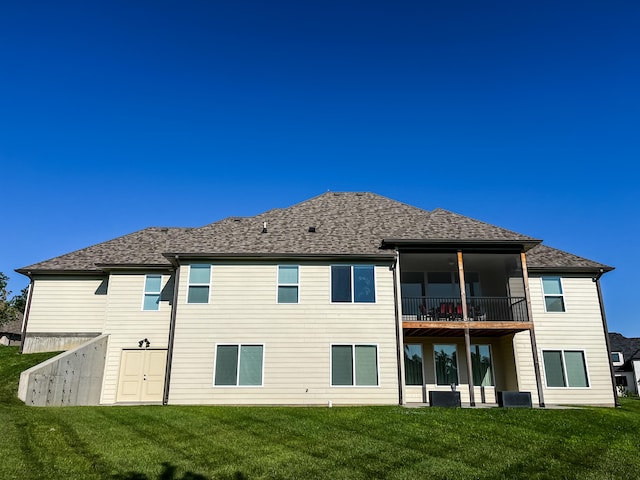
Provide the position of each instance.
(579, 328)
(297, 338)
(67, 304)
(526, 375)
(127, 324)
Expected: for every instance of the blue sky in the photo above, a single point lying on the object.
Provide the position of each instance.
(115, 116)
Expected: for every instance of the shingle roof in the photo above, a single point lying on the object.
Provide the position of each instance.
(13, 327)
(630, 348)
(141, 247)
(346, 223)
(543, 257)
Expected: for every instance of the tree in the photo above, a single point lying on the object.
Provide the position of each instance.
(19, 302)
(10, 308)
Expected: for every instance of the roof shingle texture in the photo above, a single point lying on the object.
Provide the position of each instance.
(544, 257)
(345, 224)
(141, 247)
(630, 348)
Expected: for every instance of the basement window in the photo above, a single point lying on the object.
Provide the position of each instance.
(565, 368)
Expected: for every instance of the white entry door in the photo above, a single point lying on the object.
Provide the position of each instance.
(141, 375)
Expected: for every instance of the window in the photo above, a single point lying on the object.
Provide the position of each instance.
(446, 364)
(288, 284)
(565, 368)
(621, 381)
(413, 364)
(352, 284)
(617, 358)
(151, 297)
(354, 365)
(481, 365)
(553, 296)
(199, 278)
(239, 365)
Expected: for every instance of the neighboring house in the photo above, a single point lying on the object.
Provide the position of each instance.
(625, 358)
(348, 298)
(11, 332)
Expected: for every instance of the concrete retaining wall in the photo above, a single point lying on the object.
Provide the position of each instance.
(54, 342)
(71, 378)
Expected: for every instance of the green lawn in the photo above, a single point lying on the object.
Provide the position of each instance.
(153, 442)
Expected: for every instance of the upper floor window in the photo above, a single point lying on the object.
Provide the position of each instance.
(288, 284)
(553, 296)
(151, 297)
(565, 368)
(199, 280)
(353, 284)
(617, 358)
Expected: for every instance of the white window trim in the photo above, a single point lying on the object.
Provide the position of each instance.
(564, 368)
(145, 293)
(239, 345)
(278, 284)
(353, 296)
(435, 369)
(545, 295)
(353, 364)
(620, 360)
(493, 378)
(189, 284)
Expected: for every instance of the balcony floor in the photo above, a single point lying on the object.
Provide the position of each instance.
(457, 328)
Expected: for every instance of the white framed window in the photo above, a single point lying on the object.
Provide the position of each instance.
(239, 365)
(199, 283)
(288, 283)
(446, 364)
(354, 365)
(565, 368)
(482, 366)
(151, 295)
(353, 284)
(617, 358)
(553, 294)
(413, 364)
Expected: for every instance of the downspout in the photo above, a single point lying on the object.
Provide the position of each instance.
(596, 280)
(399, 343)
(172, 333)
(27, 309)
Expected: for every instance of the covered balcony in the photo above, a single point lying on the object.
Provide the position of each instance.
(492, 302)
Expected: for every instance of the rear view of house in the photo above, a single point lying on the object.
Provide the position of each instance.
(348, 298)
